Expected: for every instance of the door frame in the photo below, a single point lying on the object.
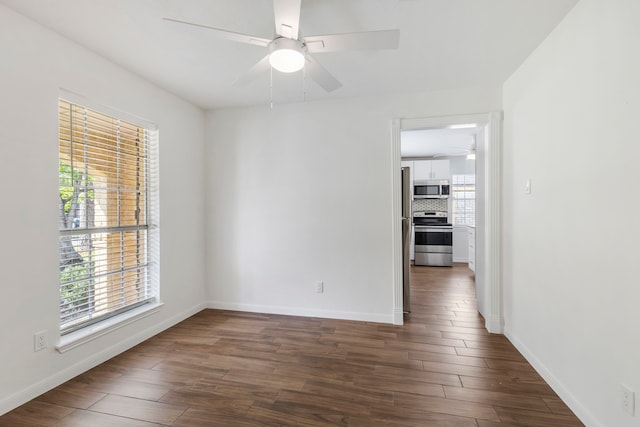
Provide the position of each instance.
(489, 270)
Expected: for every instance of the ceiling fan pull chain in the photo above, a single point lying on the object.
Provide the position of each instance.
(271, 87)
(304, 83)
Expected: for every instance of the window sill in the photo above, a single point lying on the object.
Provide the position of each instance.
(90, 333)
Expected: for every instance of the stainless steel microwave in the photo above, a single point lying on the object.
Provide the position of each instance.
(432, 189)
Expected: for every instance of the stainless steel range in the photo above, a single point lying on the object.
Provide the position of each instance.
(433, 239)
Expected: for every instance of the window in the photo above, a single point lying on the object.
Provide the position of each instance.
(464, 199)
(107, 216)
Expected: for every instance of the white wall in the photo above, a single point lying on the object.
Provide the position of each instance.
(571, 248)
(303, 193)
(35, 64)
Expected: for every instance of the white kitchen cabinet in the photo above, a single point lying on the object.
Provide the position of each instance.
(472, 248)
(460, 243)
(421, 170)
(431, 169)
(440, 169)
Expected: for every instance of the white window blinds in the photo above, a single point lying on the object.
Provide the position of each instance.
(107, 216)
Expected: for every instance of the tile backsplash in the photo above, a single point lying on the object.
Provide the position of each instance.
(430, 205)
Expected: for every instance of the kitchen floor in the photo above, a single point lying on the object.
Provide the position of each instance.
(223, 368)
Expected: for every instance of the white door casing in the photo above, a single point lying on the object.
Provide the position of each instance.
(489, 229)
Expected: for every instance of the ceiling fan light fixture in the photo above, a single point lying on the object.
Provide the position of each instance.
(286, 55)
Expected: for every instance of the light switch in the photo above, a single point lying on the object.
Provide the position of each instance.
(527, 187)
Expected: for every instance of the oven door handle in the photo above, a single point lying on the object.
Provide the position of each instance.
(424, 228)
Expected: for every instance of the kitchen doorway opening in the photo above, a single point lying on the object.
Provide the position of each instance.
(441, 167)
(487, 150)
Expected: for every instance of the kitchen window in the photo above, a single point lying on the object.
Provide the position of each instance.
(107, 214)
(463, 191)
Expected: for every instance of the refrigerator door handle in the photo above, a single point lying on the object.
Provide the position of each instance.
(406, 238)
(406, 265)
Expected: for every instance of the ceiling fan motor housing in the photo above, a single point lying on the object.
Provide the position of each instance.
(286, 55)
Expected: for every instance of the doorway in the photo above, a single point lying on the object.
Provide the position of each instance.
(488, 230)
(443, 157)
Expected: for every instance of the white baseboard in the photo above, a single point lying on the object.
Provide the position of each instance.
(305, 312)
(569, 399)
(494, 324)
(34, 390)
(398, 316)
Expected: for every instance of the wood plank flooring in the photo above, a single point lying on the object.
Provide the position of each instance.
(222, 368)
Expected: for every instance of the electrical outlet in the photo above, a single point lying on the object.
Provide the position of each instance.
(319, 287)
(628, 398)
(39, 340)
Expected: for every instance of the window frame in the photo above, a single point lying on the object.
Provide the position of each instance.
(468, 214)
(112, 319)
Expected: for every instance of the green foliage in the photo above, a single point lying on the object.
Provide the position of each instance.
(76, 286)
(74, 291)
(74, 183)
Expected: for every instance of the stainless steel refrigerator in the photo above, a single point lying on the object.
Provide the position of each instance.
(406, 240)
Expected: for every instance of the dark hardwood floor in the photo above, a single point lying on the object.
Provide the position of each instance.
(221, 368)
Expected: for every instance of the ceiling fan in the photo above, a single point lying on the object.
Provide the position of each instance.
(289, 52)
(459, 151)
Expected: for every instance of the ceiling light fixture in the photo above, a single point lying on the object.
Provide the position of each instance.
(286, 55)
(462, 126)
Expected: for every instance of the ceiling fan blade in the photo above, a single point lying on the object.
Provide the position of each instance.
(259, 68)
(224, 34)
(385, 39)
(287, 17)
(320, 75)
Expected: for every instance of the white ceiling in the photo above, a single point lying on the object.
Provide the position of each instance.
(444, 44)
(437, 142)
